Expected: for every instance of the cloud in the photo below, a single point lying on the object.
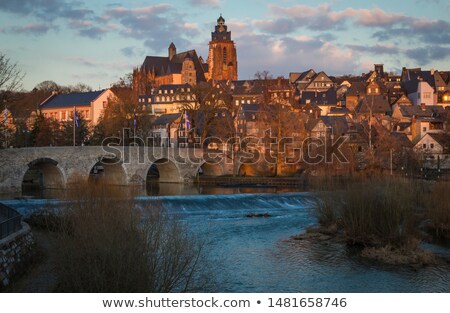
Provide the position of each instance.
(31, 29)
(428, 54)
(286, 54)
(375, 49)
(46, 9)
(154, 22)
(206, 3)
(128, 51)
(93, 32)
(386, 25)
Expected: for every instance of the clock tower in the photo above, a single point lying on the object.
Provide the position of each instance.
(222, 60)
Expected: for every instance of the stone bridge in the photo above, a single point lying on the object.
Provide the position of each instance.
(58, 167)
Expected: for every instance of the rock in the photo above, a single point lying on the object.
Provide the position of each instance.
(258, 215)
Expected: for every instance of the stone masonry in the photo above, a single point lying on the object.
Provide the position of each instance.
(16, 252)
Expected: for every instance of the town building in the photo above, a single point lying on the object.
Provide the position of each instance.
(89, 105)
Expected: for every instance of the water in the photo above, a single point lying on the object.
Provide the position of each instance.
(258, 254)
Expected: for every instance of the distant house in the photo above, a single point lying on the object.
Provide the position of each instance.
(249, 120)
(246, 92)
(324, 100)
(311, 81)
(329, 126)
(168, 99)
(435, 150)
(420, 91)
(90, 105)
(402, 100)
(375, 105)
(354, 95)
(165, 130)
(405, 113)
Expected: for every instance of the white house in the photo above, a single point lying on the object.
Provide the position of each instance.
(420, 91)
(88, 104)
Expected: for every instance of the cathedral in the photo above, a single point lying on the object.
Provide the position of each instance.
(187, 67)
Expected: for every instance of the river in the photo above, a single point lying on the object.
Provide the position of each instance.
(258, 255)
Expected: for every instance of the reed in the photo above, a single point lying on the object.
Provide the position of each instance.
(110, 243)
(437, 203)
(376, 211)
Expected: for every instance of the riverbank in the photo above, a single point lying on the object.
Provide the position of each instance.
(256, 254)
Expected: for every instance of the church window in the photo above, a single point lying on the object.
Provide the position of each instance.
(224, 55)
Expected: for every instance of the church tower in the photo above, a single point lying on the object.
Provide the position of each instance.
(222, 60)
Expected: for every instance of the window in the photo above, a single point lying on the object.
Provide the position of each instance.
(431, 145)
(104, 104)
(427, 95)
(418, 95)
(224, 55)
(63, 116)
(424, 129)
(424, 146)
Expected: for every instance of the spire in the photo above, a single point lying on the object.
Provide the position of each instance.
(172, 51)
(220, 20)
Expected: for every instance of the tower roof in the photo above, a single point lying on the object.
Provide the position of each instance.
(220, 20)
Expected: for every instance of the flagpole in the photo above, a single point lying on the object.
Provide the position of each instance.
(134, 126)
(74, 117)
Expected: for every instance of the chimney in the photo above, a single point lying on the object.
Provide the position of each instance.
(423, 106)
(413, 119)
(316, 113)
(432, 71)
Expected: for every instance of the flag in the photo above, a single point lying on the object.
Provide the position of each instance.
(134, 121)
(77, 122)
(5, 116)
(187, 123)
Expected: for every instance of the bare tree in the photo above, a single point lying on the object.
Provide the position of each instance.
(10, 75)
(263, 75)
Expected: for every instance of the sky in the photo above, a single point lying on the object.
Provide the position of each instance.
(98, 41)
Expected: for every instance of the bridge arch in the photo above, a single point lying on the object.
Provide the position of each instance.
(255, 169)
(163, 170)
(109, 171)
(210, 169)
(43, 173)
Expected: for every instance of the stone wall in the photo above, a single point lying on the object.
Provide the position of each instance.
(16, 252)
